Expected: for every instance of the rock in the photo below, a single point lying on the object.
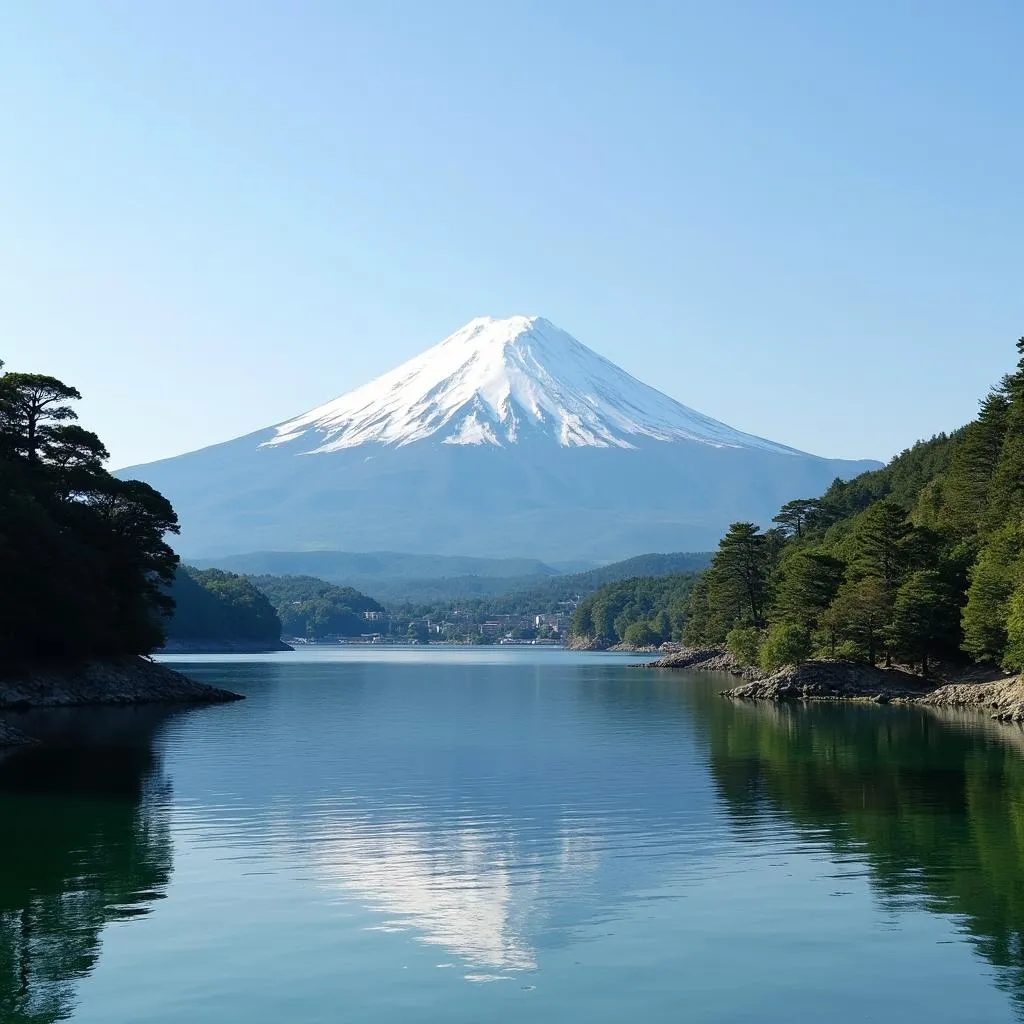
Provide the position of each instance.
(130, 680)
(1005, 697)
(833, 680)
(11, 737)
(705, 659)
(586, 643)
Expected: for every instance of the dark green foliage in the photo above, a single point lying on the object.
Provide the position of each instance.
(426, 584)
(83, 561)
(806, 582)
(923, 618)
(215, 605)
(658, 604)
(785, 643)
(737, 580)
(313, 608)
(744, 644)
(992, 580)
(920, 560)
(553, 595)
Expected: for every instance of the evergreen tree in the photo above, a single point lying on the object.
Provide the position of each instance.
(739, 573)
(922, 618)
(83, 560)
(992, 580)
(806, 583)
(860, 614)
(878, 544)
(1006, 493)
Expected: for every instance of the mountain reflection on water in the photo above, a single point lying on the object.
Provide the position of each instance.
(358, 825)
(86, 842)
(934, 804)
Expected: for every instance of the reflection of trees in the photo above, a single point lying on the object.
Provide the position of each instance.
(85, 841)
(936, 809)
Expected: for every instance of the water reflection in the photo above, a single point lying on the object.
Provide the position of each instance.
(934, 805)
(86, 842)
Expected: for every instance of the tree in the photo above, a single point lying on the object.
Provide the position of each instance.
(1006, 491)
(973, 464)
(794, 516)
(743, 643)
(31, 404)
(877, 543)
(418, 632)
(640, 634)
(806, 583)
(83, 560)
(739, 571)
(922, 617)
(991, 584)
(860, 613)
(1013, 653)
(785, 643)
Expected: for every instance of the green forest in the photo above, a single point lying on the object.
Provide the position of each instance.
(213, 605)
(83, 559)
(310, 607)
(918, 562)
(643, 611)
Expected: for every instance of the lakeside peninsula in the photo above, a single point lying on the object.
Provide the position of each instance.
(85, 563)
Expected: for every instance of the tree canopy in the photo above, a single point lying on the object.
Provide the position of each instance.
(311, 607)
(920, 560)
(211, 604)
(83, 556)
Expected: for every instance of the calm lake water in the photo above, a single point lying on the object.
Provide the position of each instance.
(497, 836)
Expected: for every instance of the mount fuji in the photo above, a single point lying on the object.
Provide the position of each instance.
(508, 438)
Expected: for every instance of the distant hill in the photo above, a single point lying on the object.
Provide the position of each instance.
(216, 610)
(314, 608)
(349, 568)
(542, 595)
(394, 578)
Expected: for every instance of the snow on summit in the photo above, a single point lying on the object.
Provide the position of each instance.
(495, 381)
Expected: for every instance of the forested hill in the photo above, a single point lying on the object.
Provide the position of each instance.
(215, 608)
(640, 611)
(920, 560)
(313, 608)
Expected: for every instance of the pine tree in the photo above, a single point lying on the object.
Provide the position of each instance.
(860, 613)
(992, 580)
(922, 617)
(739, 573)
(805, 584)
(878, 544)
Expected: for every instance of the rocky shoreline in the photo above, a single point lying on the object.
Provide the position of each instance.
(222, 647)
(1002, 698)
(121, 681)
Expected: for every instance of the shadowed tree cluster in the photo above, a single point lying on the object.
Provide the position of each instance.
(83, 559)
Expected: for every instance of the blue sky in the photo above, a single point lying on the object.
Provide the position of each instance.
(802, 218)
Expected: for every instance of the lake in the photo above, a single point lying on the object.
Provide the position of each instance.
(488, 835)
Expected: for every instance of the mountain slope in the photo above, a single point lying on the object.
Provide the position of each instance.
(495, 381)
(509, 438)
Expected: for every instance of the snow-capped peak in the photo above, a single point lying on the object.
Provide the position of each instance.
(496, 380)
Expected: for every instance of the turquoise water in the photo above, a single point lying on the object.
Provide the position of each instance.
(484, 835)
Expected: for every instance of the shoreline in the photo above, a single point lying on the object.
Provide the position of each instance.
(114, 682)
(221, 647)
(1002, 698)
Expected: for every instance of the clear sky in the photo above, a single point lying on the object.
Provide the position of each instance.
(804, 218)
